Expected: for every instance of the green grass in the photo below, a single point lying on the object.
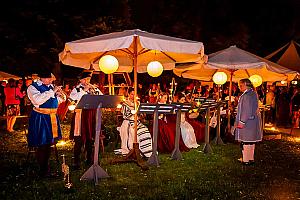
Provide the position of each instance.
(217, 175)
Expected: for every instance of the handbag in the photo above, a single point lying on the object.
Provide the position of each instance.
(213, 121)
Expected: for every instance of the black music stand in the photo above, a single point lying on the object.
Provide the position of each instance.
(155, 109)
(180, 107)
(97, 102)
(207, 106)
(218, 139)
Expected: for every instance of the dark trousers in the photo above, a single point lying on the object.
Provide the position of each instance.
(88, 147)
(270, 116)
(42, 155)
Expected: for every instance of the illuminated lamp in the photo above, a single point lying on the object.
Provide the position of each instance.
(155, 68)
(220, 78)
(256, 80)
(108, 64)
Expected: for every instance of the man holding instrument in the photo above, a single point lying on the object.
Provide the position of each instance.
(44, 126)
(83, 124)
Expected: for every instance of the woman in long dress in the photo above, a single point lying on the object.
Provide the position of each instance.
(127, 129)
(167, 130)
(187, 130)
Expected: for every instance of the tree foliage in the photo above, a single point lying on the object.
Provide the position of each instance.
(34, 32)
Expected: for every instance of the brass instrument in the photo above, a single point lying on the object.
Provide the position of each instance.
(60, 92)
(66, 171)
(93, 89)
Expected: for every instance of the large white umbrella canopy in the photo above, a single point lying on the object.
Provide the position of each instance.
(168, 50)
(134, 49)
(236, 62)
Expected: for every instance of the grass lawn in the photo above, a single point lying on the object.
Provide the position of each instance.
(275, 175)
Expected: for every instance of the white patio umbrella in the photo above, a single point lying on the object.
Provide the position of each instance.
(237, 64)
(235, 61)
(134, 49)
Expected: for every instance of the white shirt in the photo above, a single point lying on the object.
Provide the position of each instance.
(37, 98)
(76, 96)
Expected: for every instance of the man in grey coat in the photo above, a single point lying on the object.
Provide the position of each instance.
(248, 121)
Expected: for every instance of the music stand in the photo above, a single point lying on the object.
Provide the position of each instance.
(207, 106)
(218, 139)
(155, 109)
(97, 102)
(180, 107)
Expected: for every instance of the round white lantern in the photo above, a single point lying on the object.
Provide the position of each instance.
(256, 80)
(108, 64)
(220, 78)
(155, 68)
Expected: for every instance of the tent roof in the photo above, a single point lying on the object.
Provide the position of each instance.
(4, 75)
(287, 56)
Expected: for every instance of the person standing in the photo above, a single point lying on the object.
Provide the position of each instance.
(27, 103)
(83, 125)
(12, 103)
(283, 108)
(295, 107)
(270, 101)
(153, 93)
(44, 126)
(248, 129)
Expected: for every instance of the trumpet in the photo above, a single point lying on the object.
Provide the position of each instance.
(92, 88)
(66, 170)
(60, 92)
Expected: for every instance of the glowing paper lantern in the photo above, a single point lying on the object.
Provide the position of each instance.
(256, 80)
(220, 78)
(108, 64)
(155, 68)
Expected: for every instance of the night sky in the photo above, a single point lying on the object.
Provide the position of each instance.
(33, 32)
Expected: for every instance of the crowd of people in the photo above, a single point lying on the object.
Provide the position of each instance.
(46, 104)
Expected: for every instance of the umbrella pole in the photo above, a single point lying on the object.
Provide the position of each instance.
(229, 105)
(135, 153)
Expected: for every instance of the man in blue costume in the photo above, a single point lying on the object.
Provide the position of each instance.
(44, 127)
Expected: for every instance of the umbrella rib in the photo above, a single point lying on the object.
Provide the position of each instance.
(211, 79)
(247, 72)
(98, 57)
(169, 56)
(127, 51)
(143, 51)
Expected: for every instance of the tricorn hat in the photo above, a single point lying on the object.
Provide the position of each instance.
(45, 74)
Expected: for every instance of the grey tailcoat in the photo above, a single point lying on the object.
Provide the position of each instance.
(247, 114)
